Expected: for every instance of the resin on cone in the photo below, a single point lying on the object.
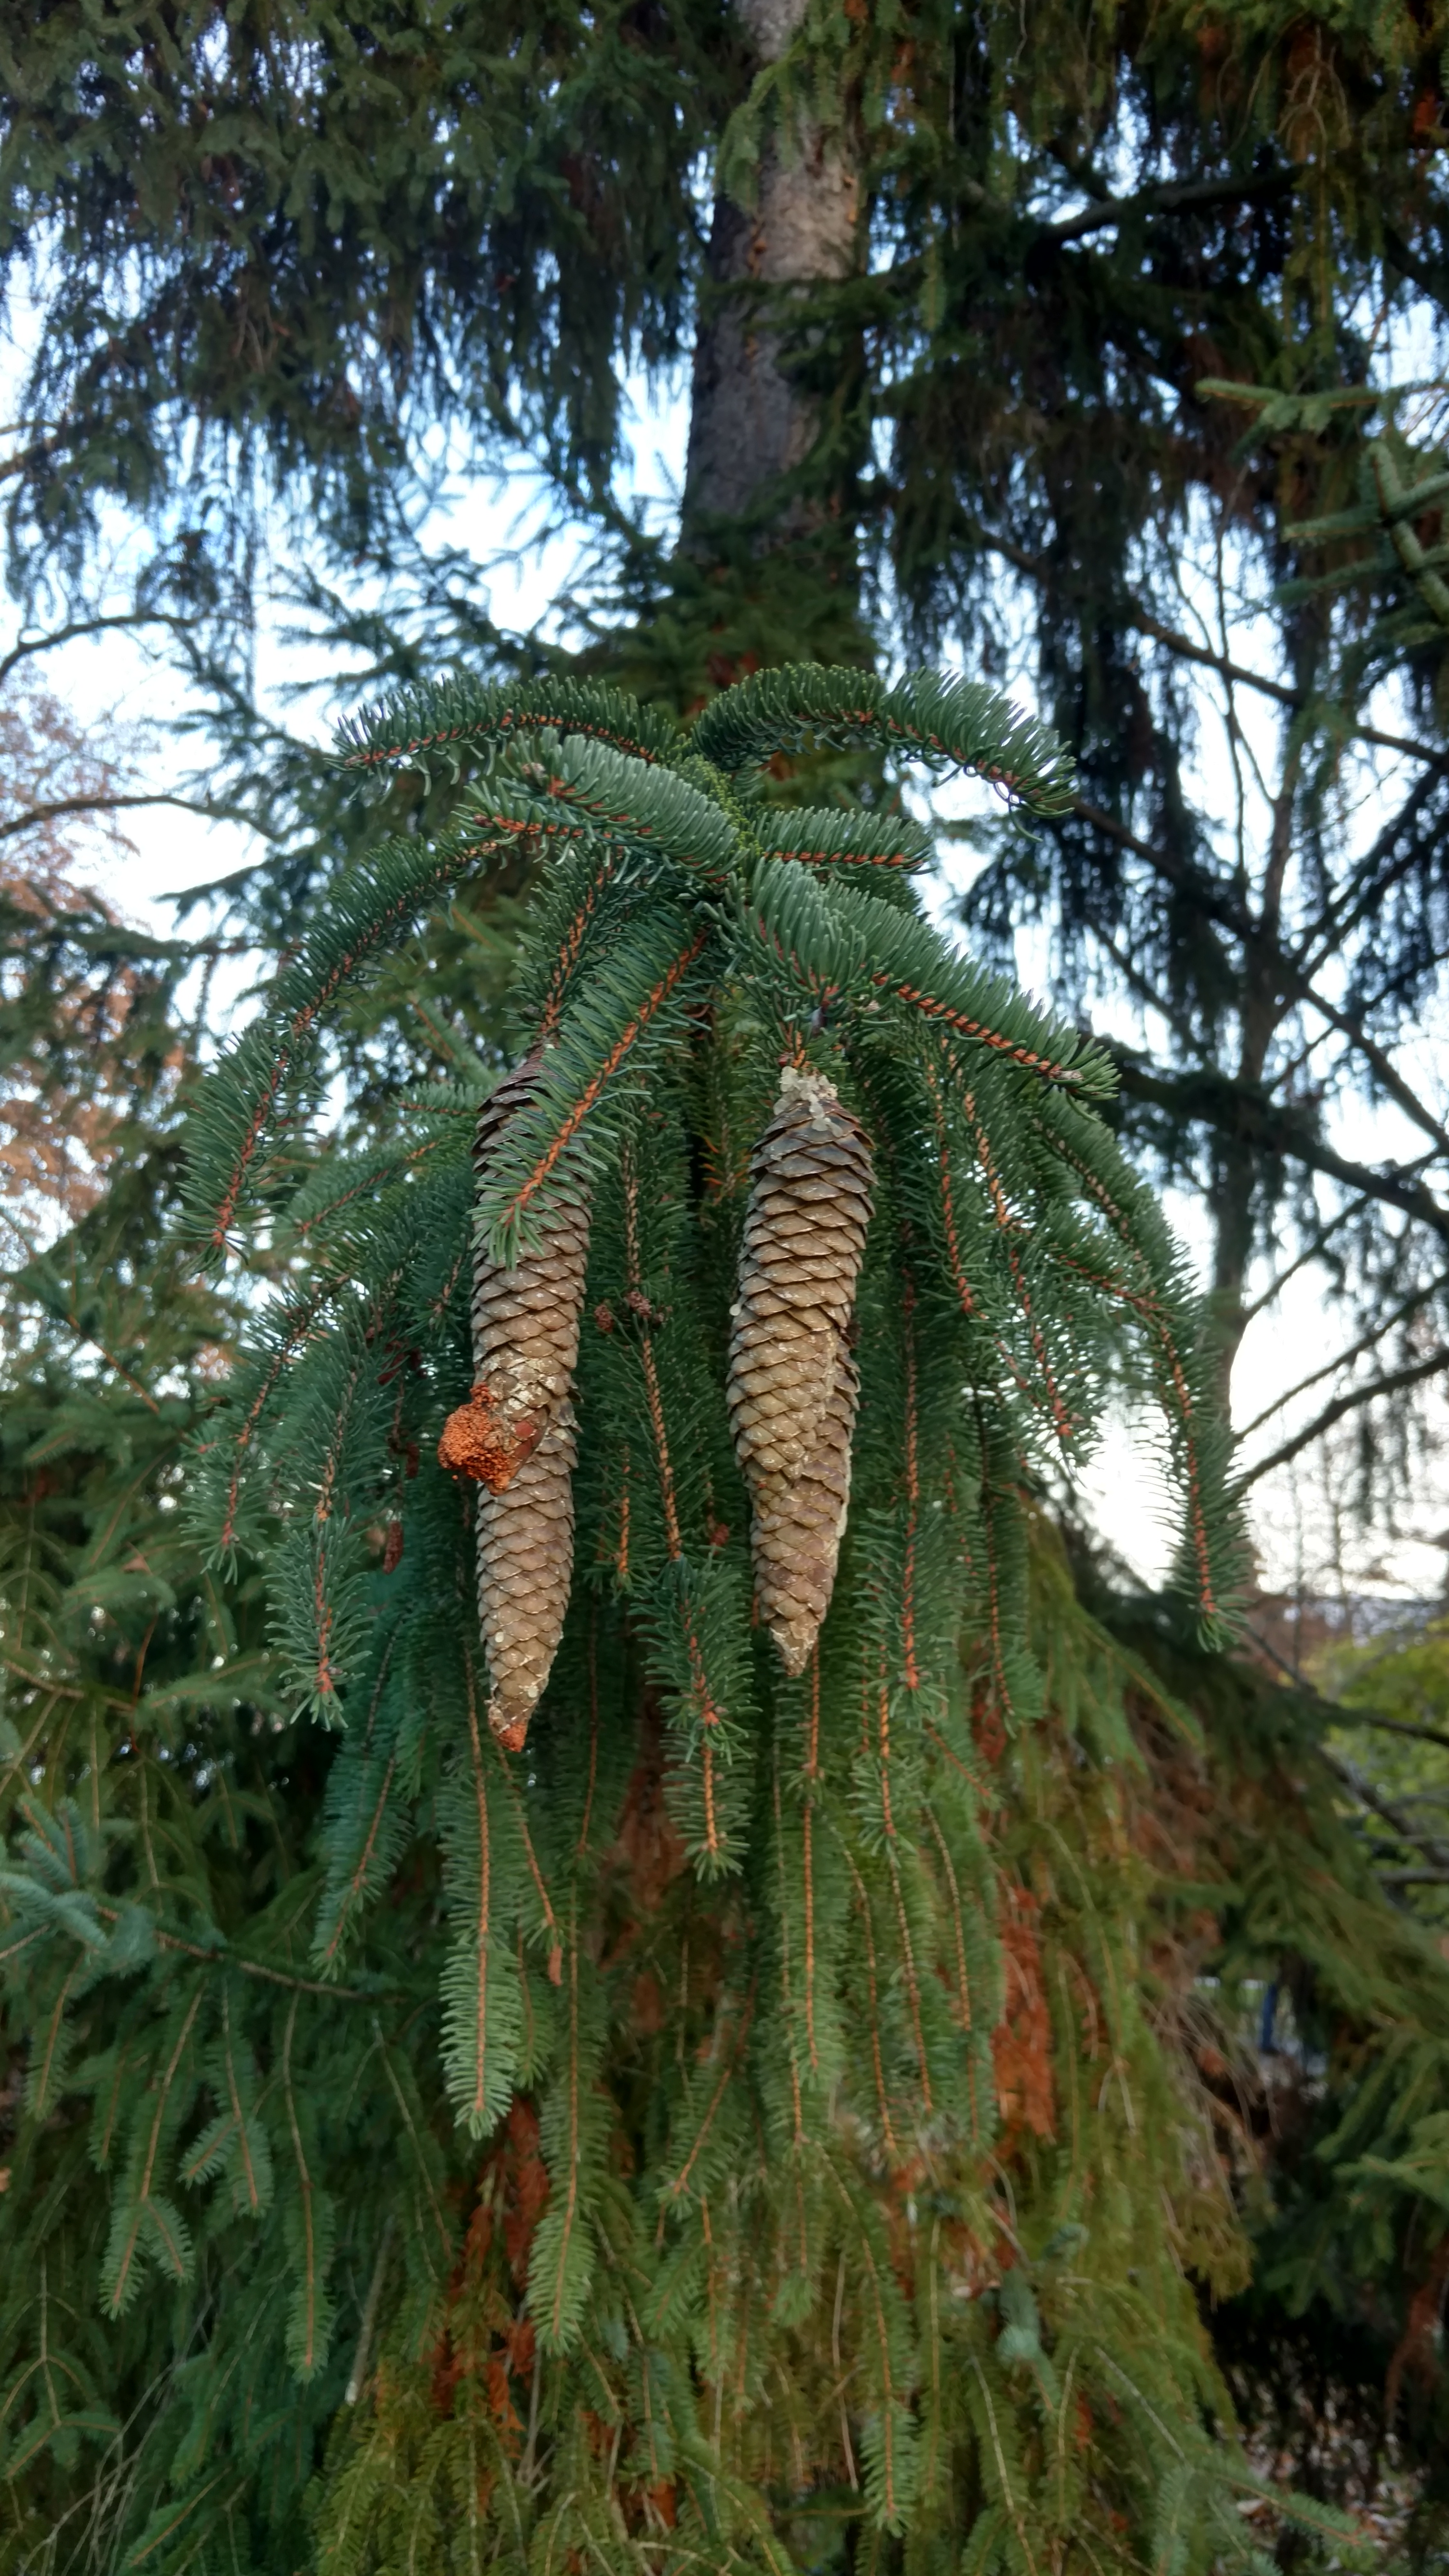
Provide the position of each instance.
(515, 1435)
(793, 1385)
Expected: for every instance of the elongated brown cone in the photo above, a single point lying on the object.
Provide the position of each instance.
(525, 1569)
(515, 1435)
(793, 1386)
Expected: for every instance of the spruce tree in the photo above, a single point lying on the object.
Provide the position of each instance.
(1065, 225)
(630, 2126)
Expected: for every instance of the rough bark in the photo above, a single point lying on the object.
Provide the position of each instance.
(752, 421)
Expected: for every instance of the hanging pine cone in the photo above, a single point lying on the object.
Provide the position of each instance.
(525, 1321)
(515, 1435)
(792, 1383)
(525, 1568)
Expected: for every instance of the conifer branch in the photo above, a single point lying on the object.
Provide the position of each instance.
(308, 2328)
(592, 1052)
(983, 1009)
(374, 905)
(947, 723)
(595, 791)
(787, 1230)
(831, 838)
(439, 721)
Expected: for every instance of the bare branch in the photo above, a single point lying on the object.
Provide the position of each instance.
(1392, 1726)
(1142, 620)
(1280, 690)
(27, 456)
(1143, 985)
(82, 626)
(1378, 1805)
(1176, 197)
(38, 814)
(1393, 1383)
(1248, 1116)
(1368, 888)
(1310, 1252)
(1212, 898)
(1343, 1359)
(1290, 977)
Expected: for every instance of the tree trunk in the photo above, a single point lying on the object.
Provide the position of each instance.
(752, 421)
(1235, 1179)
(1231, 1206)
